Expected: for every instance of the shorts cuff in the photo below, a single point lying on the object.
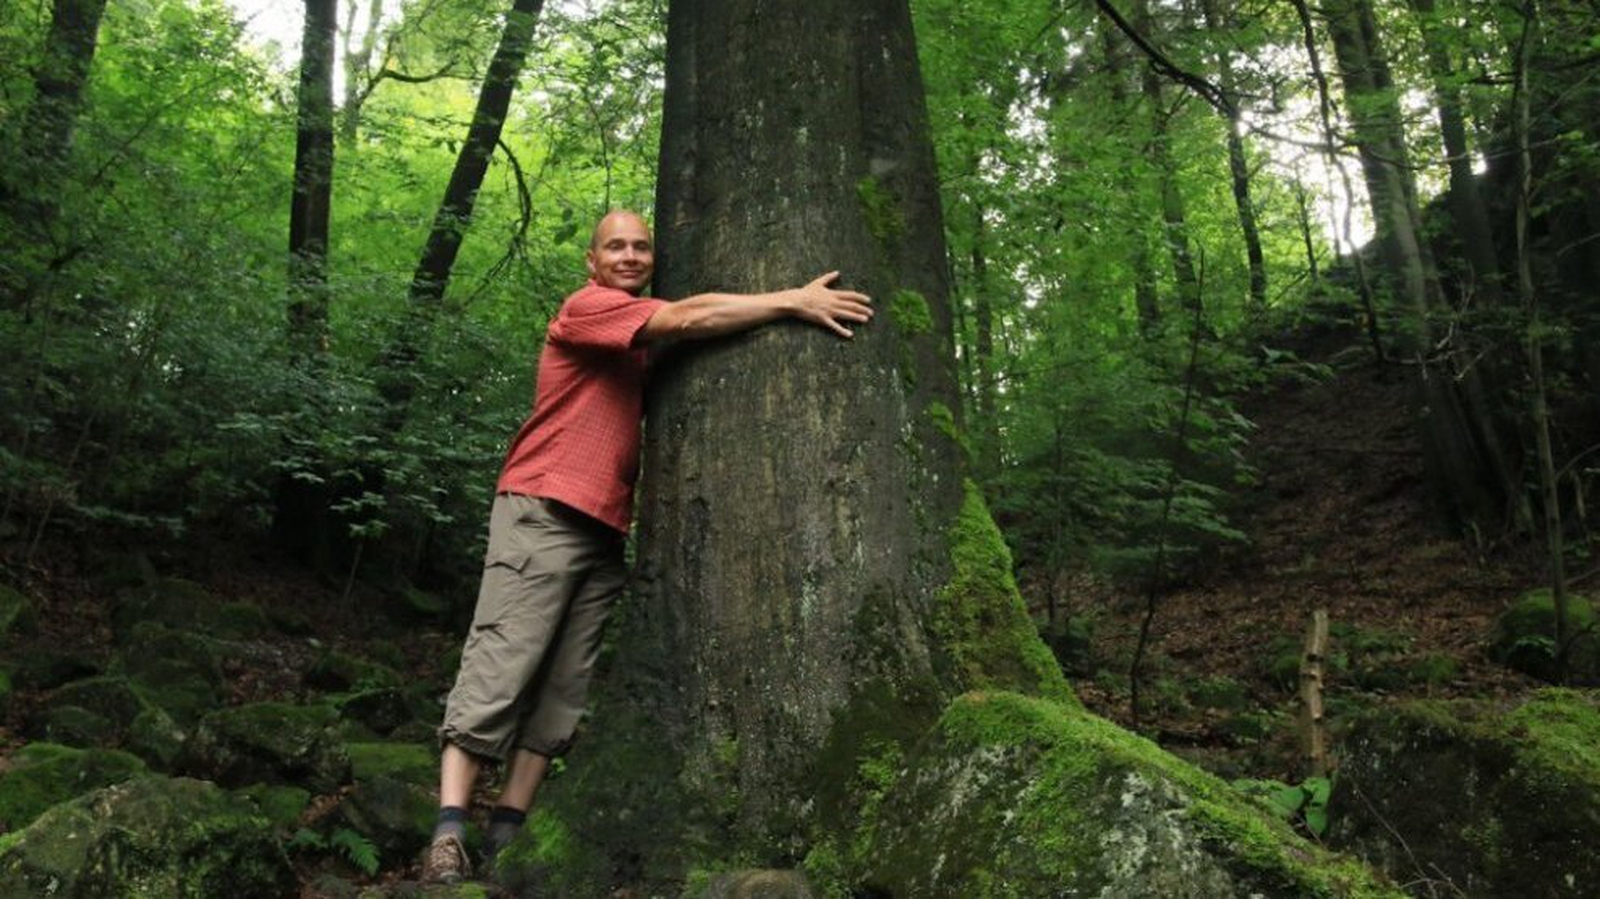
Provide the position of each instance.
(483, 749)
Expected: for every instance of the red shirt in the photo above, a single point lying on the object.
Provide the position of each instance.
(581, 445)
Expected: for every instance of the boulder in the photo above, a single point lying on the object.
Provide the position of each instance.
(77, 726)
(397, 816)
(156, 737)
(1016, 796)
(410, 762)
(335, 670)
(16, 612)
(268, 742)
(381, 710)
(148, 838)
(44, 774)
(44, 669)
(1524, 638)
(282, 805)
(184, 605)
(1496, 800)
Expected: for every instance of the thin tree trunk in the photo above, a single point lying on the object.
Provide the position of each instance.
(357, 60)
(454, 215)
(301, 523)
(1483, 276)
(1239, 166)
(30, 187)
(1174, 216)
(988, 431)
(1146, 301)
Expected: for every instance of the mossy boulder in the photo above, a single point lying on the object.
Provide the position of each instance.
(156, 737)
(410, 762)
(45, 669)
(766, 883)
(396, 815)
(380, 710)
(1524, 638)
(335, 670)
(185, 605)
(269, 742)
(77, 726)
(149, 837)
(280, 804)
(1018, 796)
(44, 774)
(1497, 800)
(16, 612)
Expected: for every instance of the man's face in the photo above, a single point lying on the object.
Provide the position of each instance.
(622, 256)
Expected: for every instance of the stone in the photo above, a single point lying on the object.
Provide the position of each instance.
(410, 762)
(279, 803)
(16, 612)
(155, 737)
(148, 838)
(109, 696)
(758, 884)
(74, 725)
(382, 709)
(335, 670)
(1013, 795)
(268, 742)
(1524, 638)
(46, 669)
(44, 774)
(1496, 800)
(397, 816)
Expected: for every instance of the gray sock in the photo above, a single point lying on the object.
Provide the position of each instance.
(504, 823)
(452, 822)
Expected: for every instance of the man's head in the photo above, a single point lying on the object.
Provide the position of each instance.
(621, 252)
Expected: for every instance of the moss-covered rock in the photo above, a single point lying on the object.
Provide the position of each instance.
(396, 815)
(148, 838)
(77, 726)
(1016, 796)
(410, 762)
(335, 670)
(44, 669)
(156, 737)
(982, 621)
(1498, 801)
(380, 710)
(16, 612)
(1524, 638)
(754, 884)
(44, 774)
(269, 742)
(280, 804)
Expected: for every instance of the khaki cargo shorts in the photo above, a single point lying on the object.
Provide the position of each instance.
(549, 576)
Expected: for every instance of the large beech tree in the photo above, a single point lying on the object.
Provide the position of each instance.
(790, 615)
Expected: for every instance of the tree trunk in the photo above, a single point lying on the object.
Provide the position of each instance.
(800, 491)
(1146, 302)
(1482, 276)
(986, 425)
(30, 186)
(301, 523)
(357, 62)
(1471, 477)
(454, 216)
(1174, 216)
(1238, 164)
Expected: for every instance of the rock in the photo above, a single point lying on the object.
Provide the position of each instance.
(268, 742)
(109, 696)
(396, 815)
(282, 805)
(149, 838)
(336, 670)
(45, 669)
(1497, 801)
(382, 710)
(758, 884)
(409, 762)
(16, 612)
(77, 726)
(155, 737)
(179, 670)
(184, 605)
(1524, 638)
(44, 774)
(1012, 795)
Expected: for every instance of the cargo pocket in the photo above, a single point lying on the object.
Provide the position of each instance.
(502, 584)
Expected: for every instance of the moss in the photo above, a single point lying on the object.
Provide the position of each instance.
(880, 210)
(944, 420)
(44, 774)
(1524, 638)
(981, 618)
(546, 853)
(16, 612)
(281, 805)
(336, 670)
(909, 309)
(409, 762)
(1017, 795)
(269, 742)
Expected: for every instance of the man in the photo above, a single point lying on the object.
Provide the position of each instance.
(562, 507)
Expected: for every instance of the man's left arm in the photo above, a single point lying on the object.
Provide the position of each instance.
(717, 314)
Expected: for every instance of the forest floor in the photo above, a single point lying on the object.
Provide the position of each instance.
(1337, 520)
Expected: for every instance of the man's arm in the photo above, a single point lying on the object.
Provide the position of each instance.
(716, 314)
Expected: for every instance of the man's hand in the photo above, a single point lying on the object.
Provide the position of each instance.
(827, 307)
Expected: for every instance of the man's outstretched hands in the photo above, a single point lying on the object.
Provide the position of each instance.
(828, 307)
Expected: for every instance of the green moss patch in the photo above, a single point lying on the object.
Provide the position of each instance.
(1524, 638)
(1019, 796)
(44, 774)
(981, 618)
(909, 310)
(881, 211)
(410, 762)
(269, 742)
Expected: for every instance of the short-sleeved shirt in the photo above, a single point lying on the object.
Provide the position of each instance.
(581, 445)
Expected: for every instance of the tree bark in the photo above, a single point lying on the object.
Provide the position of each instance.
(1174, 215)
(301, 523)
(1238, 164)
(454, 215)
(30, 187)
(799, 490)
(357, 65)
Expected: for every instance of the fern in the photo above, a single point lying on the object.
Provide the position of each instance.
(360, 851)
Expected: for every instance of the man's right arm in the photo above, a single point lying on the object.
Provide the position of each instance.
(717, 314)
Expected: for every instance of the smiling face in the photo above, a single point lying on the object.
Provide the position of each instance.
(622, 255)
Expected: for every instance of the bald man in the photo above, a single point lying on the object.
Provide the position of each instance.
(562, 507)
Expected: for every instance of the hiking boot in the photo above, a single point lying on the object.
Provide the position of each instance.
(446, 861)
